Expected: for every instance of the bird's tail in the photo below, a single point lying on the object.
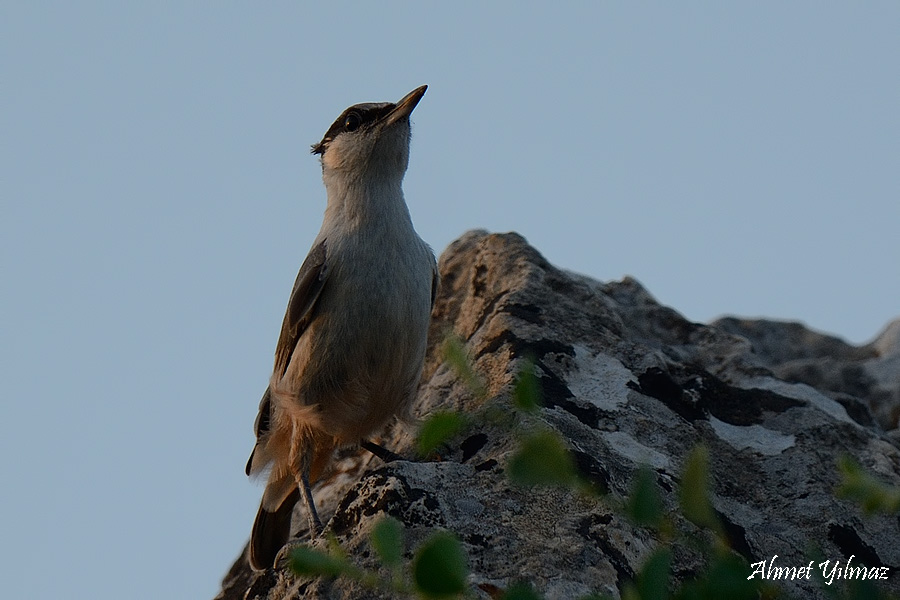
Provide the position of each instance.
(271, 531)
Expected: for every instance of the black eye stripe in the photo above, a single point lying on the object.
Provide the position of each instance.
(365, 117)
(367, 114)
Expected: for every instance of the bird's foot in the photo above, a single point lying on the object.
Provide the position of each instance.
(380, 451)
(283, 558)
(304, 538)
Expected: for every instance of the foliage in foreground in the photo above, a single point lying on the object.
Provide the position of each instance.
(861, 487)
(439, 568)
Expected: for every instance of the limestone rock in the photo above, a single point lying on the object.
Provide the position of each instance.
(627, 382)
(864, 379)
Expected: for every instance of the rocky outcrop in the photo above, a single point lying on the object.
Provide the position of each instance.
(626, 381)
(864, 379)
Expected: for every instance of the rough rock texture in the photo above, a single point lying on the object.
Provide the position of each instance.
(860, 378)
(626, 381)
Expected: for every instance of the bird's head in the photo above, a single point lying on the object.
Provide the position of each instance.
(370, 138)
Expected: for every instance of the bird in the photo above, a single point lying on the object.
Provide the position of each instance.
(352, 344)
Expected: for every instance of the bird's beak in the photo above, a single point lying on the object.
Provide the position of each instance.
(405, 106)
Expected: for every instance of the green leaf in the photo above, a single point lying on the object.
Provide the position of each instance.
(387, 540)
(629, 592)
(437, 429)
(726, 577)
(456, 356)
(861, 487)
(439, 567)
(520, 591)
(693, 495)
(645, 505)
(543, 459)
(526, 392)
(653, 579)
(307, 561)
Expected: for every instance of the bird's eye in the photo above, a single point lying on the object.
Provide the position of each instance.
(352, 122)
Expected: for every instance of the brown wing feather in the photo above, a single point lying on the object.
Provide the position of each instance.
(300, 308)
(435, 282)
(271, 531)
(261, 427)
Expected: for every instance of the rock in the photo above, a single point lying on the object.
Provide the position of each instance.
(864, 379)
(626, 382)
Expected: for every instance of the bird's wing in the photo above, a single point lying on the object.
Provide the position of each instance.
(435, 282)
(301, 306)
(300, 310)
(261, 427)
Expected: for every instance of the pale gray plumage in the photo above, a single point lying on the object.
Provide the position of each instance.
(353, 339)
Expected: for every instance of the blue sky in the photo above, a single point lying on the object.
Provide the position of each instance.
(158, 197)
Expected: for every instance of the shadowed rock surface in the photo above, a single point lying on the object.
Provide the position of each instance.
(627, 382)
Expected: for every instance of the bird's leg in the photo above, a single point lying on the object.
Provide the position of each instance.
(301, 461)
(380, 451)
(283, 558)
(315, 524)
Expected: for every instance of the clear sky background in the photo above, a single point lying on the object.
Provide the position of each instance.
(158, 197)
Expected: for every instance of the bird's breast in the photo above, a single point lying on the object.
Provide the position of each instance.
(372, 319)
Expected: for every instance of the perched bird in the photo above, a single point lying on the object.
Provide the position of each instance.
(353, 340)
